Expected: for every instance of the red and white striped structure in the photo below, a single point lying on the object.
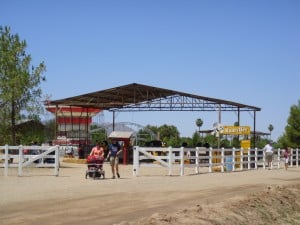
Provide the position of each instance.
(73, 123)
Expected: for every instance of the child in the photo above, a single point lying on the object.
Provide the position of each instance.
(286, 155)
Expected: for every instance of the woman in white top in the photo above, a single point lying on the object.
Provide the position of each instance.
(269, 154)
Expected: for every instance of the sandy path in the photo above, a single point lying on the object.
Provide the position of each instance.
(39, 198)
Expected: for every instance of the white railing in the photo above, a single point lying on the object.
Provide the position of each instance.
(216, 160)
(22, 156)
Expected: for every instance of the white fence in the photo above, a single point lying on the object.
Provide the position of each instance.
(23, 156)
(215, 160)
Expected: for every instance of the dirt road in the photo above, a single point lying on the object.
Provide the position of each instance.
(40, 198)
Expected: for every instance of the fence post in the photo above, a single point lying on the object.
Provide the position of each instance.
(210, 160)
(181, 161)
(278, 158)
(170, 160)
(21, 158)
(264, 159)
(6, 161)
(41, 162)
(249, 159)
(233, 159)
(56, 168)
(222, 160)
(135, 161)
(297, 157)
(242, 159)
(197, 159)
(255, 158)
(291, 157)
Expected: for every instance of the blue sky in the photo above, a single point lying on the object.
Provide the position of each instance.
(242, 51)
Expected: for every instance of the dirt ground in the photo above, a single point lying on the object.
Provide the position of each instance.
(247, 197)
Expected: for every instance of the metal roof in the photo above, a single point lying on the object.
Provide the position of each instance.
(120, 134)
(139, 97)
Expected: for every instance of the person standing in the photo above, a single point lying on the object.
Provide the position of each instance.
(105, 147)
(286, 155)
(269, 154)
(70, 151)
(114, 150)
(80, 151)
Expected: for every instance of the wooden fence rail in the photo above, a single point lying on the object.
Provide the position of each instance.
(23, 156)
(220, 160)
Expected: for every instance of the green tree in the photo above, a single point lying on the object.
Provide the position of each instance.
(236, 142)
(270, 128)
(196, 139)
(187, 141)
(143, 135)
(155, 130)
(19, 82)
(100, 135)
(210, 140)
(170, 135)
(29, 131)
(4, 126)
(292, 130)
(236, 138)
(283, 141)
(50, 129)
(199, 123)
(225, 143)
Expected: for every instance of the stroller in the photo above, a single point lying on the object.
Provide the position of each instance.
(95, 167)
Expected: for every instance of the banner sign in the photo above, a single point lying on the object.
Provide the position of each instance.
(236, 130)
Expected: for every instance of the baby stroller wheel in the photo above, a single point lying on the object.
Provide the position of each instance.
(86, 174)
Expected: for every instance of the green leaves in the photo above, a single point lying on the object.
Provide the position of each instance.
(19, 81)
(292, 129)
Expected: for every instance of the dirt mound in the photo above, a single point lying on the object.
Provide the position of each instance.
(274, 205)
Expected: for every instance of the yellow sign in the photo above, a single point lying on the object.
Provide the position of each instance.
(236, 130)
(245, 144)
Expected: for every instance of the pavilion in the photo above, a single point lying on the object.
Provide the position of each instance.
(139, 97)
